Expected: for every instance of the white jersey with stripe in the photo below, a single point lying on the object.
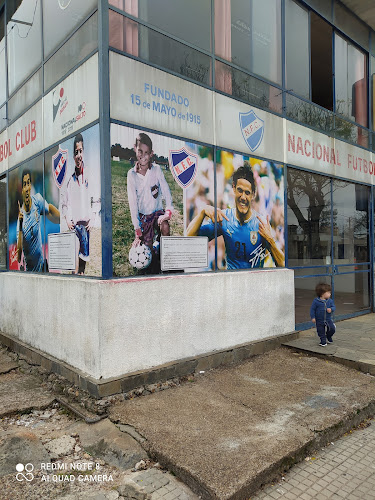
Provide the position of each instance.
(76, 199)
(146, 193)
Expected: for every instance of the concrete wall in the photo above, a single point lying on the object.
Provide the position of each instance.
(111, 328)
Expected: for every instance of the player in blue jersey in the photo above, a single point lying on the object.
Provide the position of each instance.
(248, 239)
(29, 236)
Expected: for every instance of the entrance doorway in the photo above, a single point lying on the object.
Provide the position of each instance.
(329, 241)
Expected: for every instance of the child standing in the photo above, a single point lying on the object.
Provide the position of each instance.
(320, 313)
(147, 188)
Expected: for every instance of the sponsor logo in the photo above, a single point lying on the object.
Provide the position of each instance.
(60, 102)
(252, 128)
(59, 164)
(183, 165)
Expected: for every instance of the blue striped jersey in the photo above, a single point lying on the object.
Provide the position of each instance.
(32, 235)
(245, 247)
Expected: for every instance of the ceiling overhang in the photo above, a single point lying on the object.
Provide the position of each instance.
(364, 9)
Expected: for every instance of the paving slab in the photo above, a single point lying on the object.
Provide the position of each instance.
(353, 343)
(20, 392)
(6, 363)
(229, 431)
(106, 441)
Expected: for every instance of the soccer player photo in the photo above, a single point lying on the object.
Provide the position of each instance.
(149, 200)
(27, 211)
(250, 213)
(72, 173)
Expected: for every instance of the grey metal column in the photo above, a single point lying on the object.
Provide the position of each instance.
(105, 140)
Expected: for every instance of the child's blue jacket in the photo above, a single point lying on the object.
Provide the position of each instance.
(319, 309)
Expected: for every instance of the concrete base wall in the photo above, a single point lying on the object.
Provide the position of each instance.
(108, 329)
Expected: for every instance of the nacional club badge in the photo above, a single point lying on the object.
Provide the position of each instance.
(183, 165)
(59, 164)
(253, 237)
(252, 128)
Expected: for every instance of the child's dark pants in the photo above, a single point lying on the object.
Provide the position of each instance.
(325, 330)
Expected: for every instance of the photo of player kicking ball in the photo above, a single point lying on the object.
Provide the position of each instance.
(247, 236)
(29, 235)
(147, 187)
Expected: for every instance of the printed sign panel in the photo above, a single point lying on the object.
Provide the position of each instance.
(25, 136)
(310, 149)
(159, 185)
(72, 182)
(242, 127)
(72, 104)
(62, 251)
(144, 95)
(179, 252)
(4, 151)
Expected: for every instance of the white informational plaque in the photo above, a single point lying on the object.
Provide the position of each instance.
(62, 251)
(183, 252)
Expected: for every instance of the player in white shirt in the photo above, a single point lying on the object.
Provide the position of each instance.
(76, 205)
(147, 188)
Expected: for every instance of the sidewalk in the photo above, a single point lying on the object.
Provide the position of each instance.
(343, 470)
(353, 343)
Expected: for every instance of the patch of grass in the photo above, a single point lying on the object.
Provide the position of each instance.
(122, 227)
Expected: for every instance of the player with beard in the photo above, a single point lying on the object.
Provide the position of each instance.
(29, 236)
(248, 239)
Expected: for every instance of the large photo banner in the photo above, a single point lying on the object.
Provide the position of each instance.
(250, 213)
(163, 186)
(158, 186)
(72, 182)
(29, 208)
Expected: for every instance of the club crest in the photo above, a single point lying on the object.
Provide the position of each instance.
(253, 237)
(59, 164)
(183, 165)
(252, 128)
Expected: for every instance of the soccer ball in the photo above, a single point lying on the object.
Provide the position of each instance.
(140, 256)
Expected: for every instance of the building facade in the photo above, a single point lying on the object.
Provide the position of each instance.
(176, 177)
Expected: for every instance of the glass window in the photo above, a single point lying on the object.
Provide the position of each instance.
(321, 62)
(350, 222)
(247, 88)
(3, 116)
(25, 96)
(324, 7)
(351, 25)
(80, 45)
(309, 218)
(189, 21)
(297, 49)
(3, 223)
(2, 57)
(350, 81)
(69, 15)
(24, 41)
(351, 292)
(349, 132)
(308, 113)
(249, 35)
(158, 49)
(304, 293)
